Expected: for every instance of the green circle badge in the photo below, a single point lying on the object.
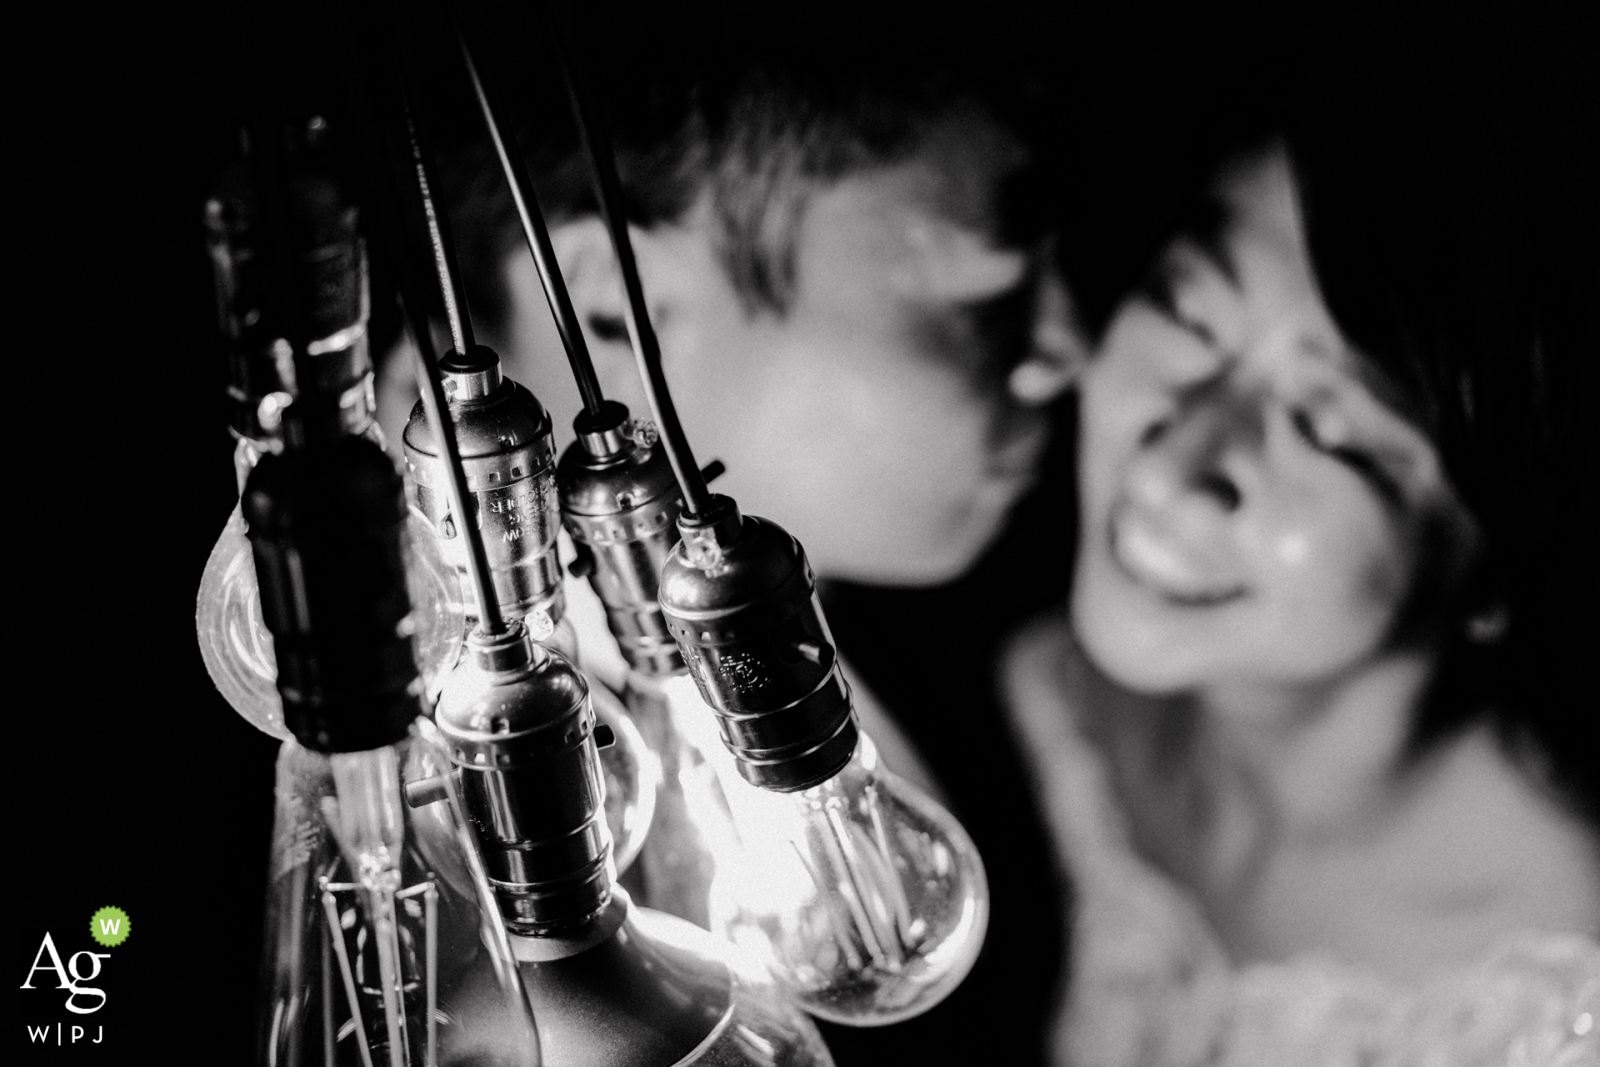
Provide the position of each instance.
(110, 926)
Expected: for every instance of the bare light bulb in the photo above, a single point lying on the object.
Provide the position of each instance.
(632, 773)
(694, 835)
(326, 290)
(862, 892)
(237, 647)
(866, 897)
(612, 985)
(385, 943)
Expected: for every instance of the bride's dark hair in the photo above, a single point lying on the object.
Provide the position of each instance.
(1453, 214)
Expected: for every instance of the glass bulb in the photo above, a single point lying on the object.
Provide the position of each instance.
(384, 944)
(632, 774)
(866, 897)
(630, 767)
(670, 993)
(237, 647)
(694, 829)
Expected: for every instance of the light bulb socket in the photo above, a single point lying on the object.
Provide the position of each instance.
(474, 376)
(329, 290)
(327, 530)
(605, 433)
(740, 600)
(508, 455)
(620, 502)
(519, 726)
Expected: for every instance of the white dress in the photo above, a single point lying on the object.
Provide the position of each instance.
(1149, 984)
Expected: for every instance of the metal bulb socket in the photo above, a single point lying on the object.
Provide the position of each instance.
(519, 727)
(330, 289)
(620, 503)
(508, 454)
(741, 601)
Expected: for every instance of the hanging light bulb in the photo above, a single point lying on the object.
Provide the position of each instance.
(887, 910)
(695, 835)
(384, 944)
(236, 645)
(333, 299)
(859, 890)
(508, 453)
(612, 984)
(620, 504)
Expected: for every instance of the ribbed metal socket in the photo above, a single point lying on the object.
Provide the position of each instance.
(508, 453)
(330, 287)
(620, 503)
(520, 728)
(741, 602)
(327, 530)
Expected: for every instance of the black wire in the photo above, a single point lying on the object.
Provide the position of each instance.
(388, 238)
(444, 257)
(646, 349)
(538, 237)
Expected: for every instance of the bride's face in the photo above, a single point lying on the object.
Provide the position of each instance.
(1251, 512)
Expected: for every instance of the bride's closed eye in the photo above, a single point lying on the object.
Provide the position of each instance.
(1328, 432)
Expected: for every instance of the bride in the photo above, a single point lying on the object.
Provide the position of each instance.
(1301, 736)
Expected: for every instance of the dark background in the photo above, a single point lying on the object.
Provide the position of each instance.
(139, 785)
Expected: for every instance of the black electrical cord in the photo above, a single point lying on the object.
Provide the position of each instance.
(444, 257)
(646, 349)
(538, 237)
(388, 236)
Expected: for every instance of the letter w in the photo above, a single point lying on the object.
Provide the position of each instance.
(110, 926)
(41, 1033)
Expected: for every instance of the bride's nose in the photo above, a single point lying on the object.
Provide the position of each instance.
(1203, 459)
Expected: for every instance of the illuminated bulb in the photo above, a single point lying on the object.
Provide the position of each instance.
(385, 947)
(866, 895)
(857, 889)
(693, 836)
(820, 885)
(632, 773)
(612, 985)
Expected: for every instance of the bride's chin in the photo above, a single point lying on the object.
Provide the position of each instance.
(1126, 653)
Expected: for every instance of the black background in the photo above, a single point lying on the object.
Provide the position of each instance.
(139, 786)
